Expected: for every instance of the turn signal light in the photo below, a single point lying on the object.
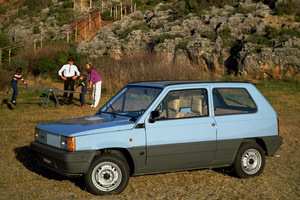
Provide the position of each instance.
(71, 144)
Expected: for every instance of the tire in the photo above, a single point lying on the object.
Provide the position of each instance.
(108, 174)
(249, 161)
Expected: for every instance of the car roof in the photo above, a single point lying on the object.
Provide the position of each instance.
(179, 82)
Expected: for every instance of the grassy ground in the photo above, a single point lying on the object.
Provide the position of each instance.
(21, 178)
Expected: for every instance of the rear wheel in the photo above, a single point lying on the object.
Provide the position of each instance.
(108, 174)
(249, 161)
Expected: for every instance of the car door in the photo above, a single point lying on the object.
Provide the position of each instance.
(184, 134)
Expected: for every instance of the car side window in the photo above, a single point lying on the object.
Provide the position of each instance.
(184, 104)
(232, 101)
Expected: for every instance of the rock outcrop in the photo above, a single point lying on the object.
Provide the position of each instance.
(247, 40)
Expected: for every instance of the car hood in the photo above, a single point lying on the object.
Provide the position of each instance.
(87, 125)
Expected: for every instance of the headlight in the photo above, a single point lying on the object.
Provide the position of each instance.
(36, 134)
(67, 143)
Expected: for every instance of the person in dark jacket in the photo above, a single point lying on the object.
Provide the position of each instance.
(14, 84)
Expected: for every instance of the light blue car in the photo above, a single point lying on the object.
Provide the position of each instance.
(162, 126)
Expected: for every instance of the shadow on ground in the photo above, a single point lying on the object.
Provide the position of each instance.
(25, 156)
(7, 103)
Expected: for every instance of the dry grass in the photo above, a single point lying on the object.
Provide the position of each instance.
(23, 179)
(144, 67)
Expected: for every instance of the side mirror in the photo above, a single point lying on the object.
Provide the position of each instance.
(154, 114)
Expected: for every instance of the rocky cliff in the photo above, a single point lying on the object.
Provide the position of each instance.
(246, 39)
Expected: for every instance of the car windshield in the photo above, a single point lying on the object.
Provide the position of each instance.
(131, 101)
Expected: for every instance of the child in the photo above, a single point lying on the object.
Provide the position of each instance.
(83, 90)
(14, 84)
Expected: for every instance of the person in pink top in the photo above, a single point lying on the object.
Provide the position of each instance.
(94, 82)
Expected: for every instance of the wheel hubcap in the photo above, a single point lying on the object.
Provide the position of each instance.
(107, 176)
(251, 161)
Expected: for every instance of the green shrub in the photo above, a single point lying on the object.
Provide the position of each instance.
(4, 40)
(225, 32)
(284, 31)
(18, 62)
(36, 30)
(68, 4)
(182, 45)
(44, 65)
(62, 58)
(144, 27)
(259, 39)
(106, 16)
(38, 5)
(2, 11)
(243, 10)
(271, 32)
(195, 6)
(123, 34)
(65, 17)
(286, 7)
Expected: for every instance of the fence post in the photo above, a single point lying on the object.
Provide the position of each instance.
(89, 21)
(111, 11)
(0, 57)
(135, 7)
(116, 12)
(34, 44)
(99, 19)
(9, 55)
(74, 4)
(131, 9)
(90, 4)
(85, 33)
(68, 37)
(121, 11)
(76, 33)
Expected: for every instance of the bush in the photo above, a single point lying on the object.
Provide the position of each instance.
(44, 65)
(38, 5)
(68, 4)
(225, 32)
(2, 11)
(5, 78)
(4, 41)
(36, 30)
(18, 62)
(106, 16)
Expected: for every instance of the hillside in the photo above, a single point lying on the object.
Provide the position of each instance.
(245, 38)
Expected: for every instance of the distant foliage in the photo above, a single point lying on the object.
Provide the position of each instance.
(2, 11)
(18, 62)
(68, 4)
(36, 30)
(45, 65)
(38, 4)
(289, 7)
(5, 78)
(4, 40)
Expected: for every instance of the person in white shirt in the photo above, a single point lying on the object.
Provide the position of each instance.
(69, 73)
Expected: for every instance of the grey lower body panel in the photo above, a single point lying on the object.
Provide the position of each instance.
(62, 162)
(272, 144)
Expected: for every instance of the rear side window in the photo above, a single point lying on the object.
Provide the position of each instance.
(232, 101)
(184, 104)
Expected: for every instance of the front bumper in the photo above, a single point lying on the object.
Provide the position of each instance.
(62, 162)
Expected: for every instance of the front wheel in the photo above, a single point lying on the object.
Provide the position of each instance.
(249, 161)
(108, 174)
